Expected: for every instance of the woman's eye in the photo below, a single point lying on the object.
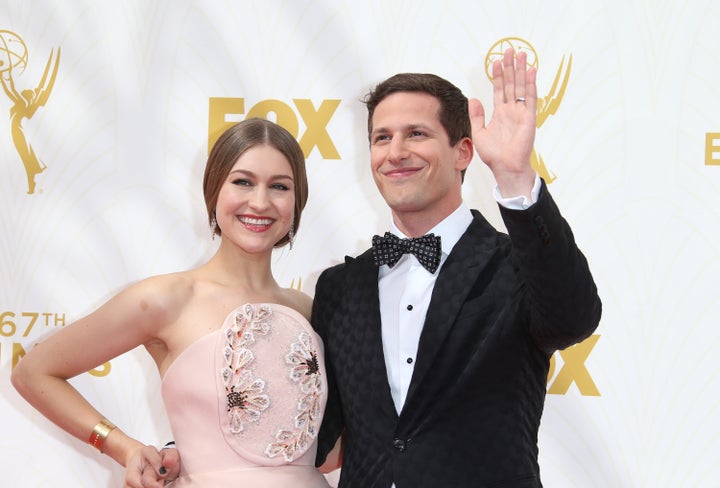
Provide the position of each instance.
(279, 186)
(241, 182)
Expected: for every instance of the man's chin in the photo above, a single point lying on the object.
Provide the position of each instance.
(406, 206)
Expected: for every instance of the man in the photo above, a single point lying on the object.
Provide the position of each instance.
(437, 365)
(438, 377)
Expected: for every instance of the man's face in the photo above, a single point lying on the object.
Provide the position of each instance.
(413, 164)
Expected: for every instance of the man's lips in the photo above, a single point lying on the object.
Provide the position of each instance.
(401, 172)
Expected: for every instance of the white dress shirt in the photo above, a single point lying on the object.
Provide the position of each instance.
(404, 292)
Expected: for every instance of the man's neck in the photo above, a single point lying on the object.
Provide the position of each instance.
(416, 224)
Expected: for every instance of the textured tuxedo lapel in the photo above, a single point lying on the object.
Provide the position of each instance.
(365, 303)
(458, 275)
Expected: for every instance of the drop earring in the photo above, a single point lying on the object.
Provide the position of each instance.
(291, 234)
(213, 226)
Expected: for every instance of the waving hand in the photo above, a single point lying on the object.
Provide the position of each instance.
(505, 144)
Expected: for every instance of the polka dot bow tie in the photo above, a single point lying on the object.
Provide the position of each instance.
(390, 248)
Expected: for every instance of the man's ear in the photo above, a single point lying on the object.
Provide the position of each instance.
(465, 152)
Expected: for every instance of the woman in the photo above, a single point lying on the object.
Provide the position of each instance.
(243, 378)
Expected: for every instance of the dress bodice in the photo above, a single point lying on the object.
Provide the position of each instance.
(245, 402)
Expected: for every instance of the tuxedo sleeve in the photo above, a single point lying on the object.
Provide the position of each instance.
(559, 295)
(324, 305)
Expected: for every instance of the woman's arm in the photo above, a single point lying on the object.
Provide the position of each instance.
(131, 318)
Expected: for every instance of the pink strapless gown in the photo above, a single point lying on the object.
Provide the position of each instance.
(245, 402)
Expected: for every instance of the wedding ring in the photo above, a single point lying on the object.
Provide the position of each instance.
(520, 99)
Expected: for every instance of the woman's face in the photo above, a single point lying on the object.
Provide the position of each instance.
(255, 206)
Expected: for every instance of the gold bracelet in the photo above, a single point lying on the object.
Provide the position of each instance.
(100, 433)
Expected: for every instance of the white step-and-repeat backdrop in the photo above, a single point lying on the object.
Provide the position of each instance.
(107, 110)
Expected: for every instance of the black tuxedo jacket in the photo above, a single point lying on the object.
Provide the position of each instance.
(500, 307)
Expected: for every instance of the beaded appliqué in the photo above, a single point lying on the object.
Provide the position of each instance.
(246, 397)
(305, 371)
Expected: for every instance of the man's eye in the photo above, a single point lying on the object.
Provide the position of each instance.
(381, 138)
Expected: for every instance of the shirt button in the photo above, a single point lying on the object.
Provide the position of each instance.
(399, 444)
(409, 307)
(409, 360)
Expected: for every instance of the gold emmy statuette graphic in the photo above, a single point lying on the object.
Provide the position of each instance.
(13, 61)
(547, 105)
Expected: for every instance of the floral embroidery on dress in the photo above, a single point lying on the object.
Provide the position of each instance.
(246, 397)
(305, 371)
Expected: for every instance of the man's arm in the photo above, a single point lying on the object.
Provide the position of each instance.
(559, 291)
(324, 304)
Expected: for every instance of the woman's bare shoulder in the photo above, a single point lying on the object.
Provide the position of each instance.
(164, 294)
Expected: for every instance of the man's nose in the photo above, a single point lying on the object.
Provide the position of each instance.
(398, 150)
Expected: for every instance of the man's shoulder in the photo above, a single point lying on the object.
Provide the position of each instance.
(338, 270)
(481, 229)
